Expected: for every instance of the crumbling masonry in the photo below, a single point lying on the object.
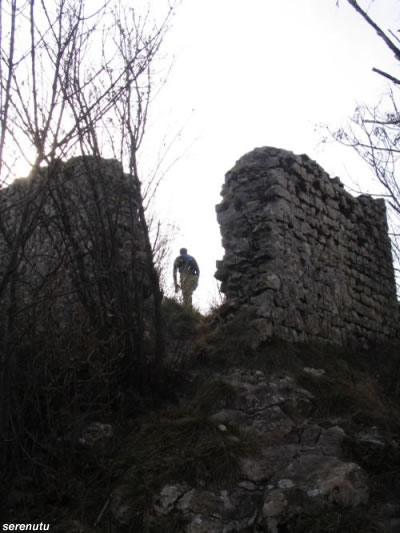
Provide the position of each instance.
(72, 248)
(309, 261)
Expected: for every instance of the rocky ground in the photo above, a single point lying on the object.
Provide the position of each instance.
(280, 439)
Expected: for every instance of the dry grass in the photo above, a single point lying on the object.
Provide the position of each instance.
(355, 395)
(180, 445)
(336, 521)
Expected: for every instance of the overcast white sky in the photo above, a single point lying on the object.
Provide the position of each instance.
(253, 73)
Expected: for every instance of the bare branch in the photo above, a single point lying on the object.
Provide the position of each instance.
(386, 75)
(379, 31)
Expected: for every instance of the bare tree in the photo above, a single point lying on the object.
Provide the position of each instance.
(374, 132)
(79, 84)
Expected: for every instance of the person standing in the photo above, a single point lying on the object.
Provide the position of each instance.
(189, 273)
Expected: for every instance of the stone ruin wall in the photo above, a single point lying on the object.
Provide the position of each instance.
(307, 259)
(85, 226)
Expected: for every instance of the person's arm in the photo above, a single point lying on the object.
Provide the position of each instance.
(196, 266)
(175, 276)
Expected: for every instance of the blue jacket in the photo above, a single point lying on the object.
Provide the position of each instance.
(186, 264)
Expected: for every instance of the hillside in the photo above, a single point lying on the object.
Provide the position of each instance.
(122, 412)
(285, 437)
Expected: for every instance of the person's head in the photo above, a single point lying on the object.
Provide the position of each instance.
(183, 251)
